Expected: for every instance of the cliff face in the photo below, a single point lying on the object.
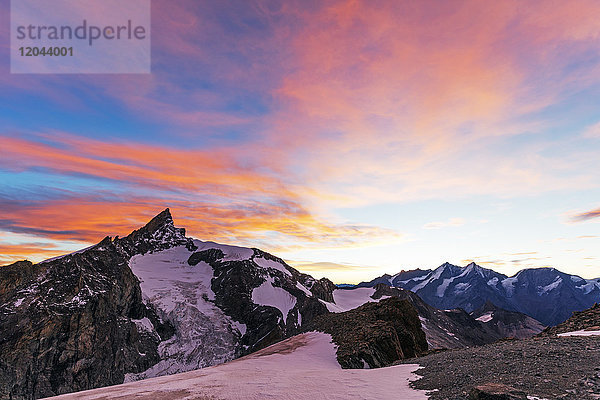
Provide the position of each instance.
(70, 324)
(374, 334)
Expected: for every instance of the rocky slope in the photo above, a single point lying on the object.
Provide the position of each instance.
(541, 368)
(375, 334)
(586, 320)
(545, 294)
(508, 324)
(152, 303)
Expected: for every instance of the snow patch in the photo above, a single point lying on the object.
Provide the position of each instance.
(580, 333)
(232, 253)
(307, 292)
(545, 289)
(241, 328)
(509, 285)
(348, 299)
(487, 317)
(144, 324)
(269, 295)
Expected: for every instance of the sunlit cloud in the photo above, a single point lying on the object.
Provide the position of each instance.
(586, 216)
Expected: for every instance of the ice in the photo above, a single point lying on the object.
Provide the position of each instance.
(302, 367)
(182, 295)
(269, 295)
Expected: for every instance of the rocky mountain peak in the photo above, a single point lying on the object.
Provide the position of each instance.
(158, 234)
(162, 220)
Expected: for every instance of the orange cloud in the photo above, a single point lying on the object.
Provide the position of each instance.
(211, 192)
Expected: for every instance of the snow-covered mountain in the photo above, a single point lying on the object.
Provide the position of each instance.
(546, 294)
(152, 303)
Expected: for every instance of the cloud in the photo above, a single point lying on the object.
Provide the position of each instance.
(452, 222)
(586, 216)
(213, 193)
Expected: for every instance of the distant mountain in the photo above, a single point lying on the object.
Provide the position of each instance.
(444, 329)
(152, 303)
(546, 294)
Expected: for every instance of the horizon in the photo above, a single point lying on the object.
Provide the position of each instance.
(349, 138)
(300, 268)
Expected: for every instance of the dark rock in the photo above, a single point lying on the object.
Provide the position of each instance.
(445, 329)
(508, 323)
(580, 320)
(375, 334)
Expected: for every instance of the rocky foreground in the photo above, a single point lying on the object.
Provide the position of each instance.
(543, 367)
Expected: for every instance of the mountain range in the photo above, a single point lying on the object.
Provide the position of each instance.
(157, 302)
(546, 294)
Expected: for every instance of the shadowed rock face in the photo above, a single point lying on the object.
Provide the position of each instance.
(374, 334)
(69, 323)
(80, 321)
(444, 329)
(508, 324)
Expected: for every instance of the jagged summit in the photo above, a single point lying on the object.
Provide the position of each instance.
(158, 234)
(163, 219)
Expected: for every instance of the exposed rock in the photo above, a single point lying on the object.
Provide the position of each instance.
(70, 324)
(444, 329)
(580, 320)
(496, 391)
(508, 324)
(374, 334)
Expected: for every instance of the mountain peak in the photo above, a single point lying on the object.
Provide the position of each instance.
(158, 234)
(163, 219)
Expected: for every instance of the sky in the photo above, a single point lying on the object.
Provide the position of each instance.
(351, 138)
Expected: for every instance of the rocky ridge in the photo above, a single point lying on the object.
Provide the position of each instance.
(582, 320)
(375, 334)
(546, 294)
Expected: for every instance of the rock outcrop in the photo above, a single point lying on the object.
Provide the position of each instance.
(374, 334)
(496, 391)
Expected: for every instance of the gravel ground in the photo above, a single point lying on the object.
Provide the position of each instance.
(547, 368)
